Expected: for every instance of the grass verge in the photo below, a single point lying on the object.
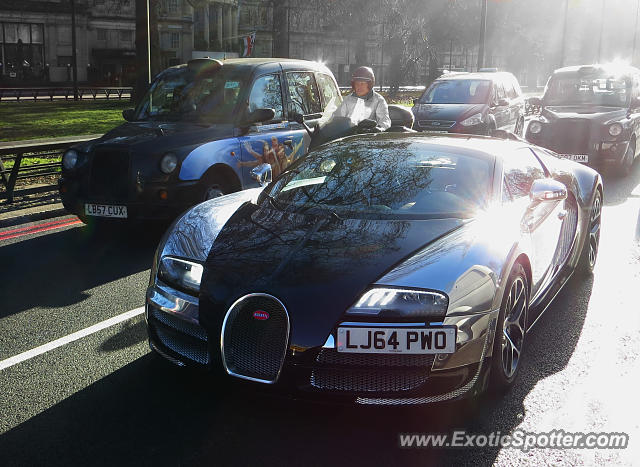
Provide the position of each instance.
(34, 120)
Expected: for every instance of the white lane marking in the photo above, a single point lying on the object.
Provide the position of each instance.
(70, 338)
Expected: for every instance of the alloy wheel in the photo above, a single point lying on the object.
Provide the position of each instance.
(513, 328)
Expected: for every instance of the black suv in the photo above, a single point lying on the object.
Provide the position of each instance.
(471, 103)
(196, 135)
(590, 115)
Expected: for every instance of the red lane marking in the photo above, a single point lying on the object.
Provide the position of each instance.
(44, 229)
(37, 226)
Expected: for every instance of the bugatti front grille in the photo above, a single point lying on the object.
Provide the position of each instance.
(254, 338)
(109, 175)
(181, 337)
(336, 371)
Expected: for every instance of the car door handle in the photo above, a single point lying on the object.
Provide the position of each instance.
(562, 214)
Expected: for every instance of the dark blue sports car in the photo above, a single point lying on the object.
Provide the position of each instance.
(381, 269)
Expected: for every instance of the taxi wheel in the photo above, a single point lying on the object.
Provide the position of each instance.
(214, 186)
(627, 161)
(508, 343)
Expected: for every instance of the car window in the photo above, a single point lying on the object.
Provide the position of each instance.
(516, 86)
(521, 169)
(303, 94)
(457, 91)
(404, 179)
(594, 89)
(510, 89)
(500, 94)
(266, 94)
(182, 94)
(330, 95)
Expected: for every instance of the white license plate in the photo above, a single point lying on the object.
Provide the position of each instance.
(105, 210)
(576, 157)
(441, 339)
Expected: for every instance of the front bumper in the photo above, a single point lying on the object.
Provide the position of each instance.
(159, 201)
(600, 151)
(322, 373)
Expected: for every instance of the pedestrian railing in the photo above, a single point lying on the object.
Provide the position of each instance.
(51, 93)
(30, 160)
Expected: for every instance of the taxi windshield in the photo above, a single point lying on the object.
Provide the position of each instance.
(588, 90)
(183, 94)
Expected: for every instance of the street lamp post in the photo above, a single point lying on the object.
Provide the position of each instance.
(74, 55)
(635, 33)
(601, 29)
(483, 29)
(564, 33)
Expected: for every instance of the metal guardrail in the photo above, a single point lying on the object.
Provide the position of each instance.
(51, 149)
(51, 93)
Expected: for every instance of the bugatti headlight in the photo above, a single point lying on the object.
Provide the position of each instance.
(410, 303)
(70, 159)
(168, 163)
(615, 129)
(475, 119)
(180, 273)
(535, 127)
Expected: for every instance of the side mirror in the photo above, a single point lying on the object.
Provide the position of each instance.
(260, 115)
(262, 174)
(296, 117)
(547, 189)
(129, 114)
(415, 102)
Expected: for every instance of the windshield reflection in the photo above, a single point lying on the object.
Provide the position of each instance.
(457, 91)
(385, 179)
(185, 95)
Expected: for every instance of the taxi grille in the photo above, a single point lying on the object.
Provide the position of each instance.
(352, 372)
(109, 175)
(570, 136)
(255, 348)
(185, 339)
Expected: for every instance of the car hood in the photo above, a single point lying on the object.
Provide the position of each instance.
(316, 265)
(598, 114)
(167, 134)
(455, 112)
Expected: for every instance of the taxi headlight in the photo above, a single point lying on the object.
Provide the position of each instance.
(168, 163)
(70, 159)
(535, 127)
(180, 273)
(388, 302)
(615, 129)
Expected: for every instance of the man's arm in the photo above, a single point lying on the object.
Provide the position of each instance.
(382, 114)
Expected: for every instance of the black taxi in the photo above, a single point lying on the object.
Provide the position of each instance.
(590, 114)
(197, 134)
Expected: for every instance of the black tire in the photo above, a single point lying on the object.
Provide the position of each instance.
(213, 186)
(627, 160)
(589, 253)
(508, 344)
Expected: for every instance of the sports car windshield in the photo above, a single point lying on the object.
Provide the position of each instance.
(457, 91)
(591, 90)
(386, 179)
(183, 94)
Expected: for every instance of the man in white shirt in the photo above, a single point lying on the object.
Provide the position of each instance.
(364, 103)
